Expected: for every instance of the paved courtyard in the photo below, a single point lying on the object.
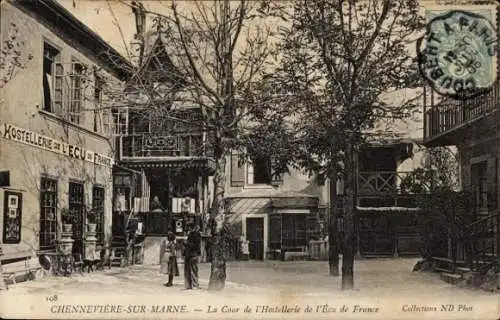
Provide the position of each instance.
(377, 281)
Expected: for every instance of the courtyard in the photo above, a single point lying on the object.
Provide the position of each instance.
(384, 289)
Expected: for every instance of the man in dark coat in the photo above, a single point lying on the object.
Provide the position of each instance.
(192, 252)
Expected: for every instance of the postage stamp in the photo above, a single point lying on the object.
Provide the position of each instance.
(459, 58)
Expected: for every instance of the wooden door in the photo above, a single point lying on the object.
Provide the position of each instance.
(377, 235)
(255, 237)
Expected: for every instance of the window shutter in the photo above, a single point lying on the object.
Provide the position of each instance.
(237, 172)
(56, 91)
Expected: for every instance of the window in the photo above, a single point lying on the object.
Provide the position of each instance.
(76, 94)
(479, 185)
(120, 121)
(294, 230)
(52, 79)
(98, 206)
(48, 213)
(76, 208)
(275, 231)
(98, 85)
(259, 172)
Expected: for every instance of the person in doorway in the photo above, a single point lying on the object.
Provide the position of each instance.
(156, 205)
(191, 253)
(168, 259)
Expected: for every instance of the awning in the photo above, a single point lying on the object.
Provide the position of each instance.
(244, 206)
(169, 163)
(296, 203)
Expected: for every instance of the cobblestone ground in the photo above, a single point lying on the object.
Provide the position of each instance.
(380, 282)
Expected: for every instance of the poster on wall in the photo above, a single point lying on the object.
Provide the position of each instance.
(12, 217)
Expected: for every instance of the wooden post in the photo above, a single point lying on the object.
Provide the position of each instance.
(333, 245)
(356, 204)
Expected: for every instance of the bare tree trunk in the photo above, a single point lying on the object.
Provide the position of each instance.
(218, 247)
(333, 247)
(349, 243)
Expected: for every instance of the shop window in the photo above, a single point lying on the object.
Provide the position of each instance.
(52, 79)
(275, 231)
(294, 230)
(48, 213)
(76, 205)
(76, 95)
(98, 207)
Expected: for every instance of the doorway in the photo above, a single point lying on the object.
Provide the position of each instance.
(255, 237)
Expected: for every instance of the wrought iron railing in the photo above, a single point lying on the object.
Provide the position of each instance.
(151, 145)
(449, 115)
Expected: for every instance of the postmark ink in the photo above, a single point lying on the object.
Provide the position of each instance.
(457, 55)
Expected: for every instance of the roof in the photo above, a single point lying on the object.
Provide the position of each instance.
(157, 62)
(74, 28)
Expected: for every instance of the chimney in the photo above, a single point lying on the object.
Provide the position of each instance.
(135, 51)
(137, 45)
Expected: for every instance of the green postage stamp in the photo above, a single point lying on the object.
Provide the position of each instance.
(458, 54)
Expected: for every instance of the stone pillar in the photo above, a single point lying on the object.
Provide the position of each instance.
(90, 243)
(66, 243)
(66, 248)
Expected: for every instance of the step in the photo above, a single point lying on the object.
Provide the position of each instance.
(462, 270)
(452, 278)
(443, 270)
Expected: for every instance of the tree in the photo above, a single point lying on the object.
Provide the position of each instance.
(12, 56)
(439, 170)
(219, 52)
(340, 61)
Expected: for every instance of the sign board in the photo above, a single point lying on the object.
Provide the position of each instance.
(11, 132)
(12, 217)
(159, 143)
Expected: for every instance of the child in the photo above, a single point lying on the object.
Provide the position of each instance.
(168, 259)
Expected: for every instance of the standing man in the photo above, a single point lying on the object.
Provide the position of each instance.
(192, 252)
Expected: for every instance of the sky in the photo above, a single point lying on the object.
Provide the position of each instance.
(114, 21)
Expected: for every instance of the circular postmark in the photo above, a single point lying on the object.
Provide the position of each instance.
(458, 56)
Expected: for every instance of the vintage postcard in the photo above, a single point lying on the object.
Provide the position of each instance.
(249, 159)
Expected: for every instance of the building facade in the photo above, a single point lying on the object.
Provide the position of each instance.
(56, 155)
(276, 215)
(473, 126)
(162, 145)
(387, 224)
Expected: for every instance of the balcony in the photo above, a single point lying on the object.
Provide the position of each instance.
(387, 189)
(447, 122)
(146, 145)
